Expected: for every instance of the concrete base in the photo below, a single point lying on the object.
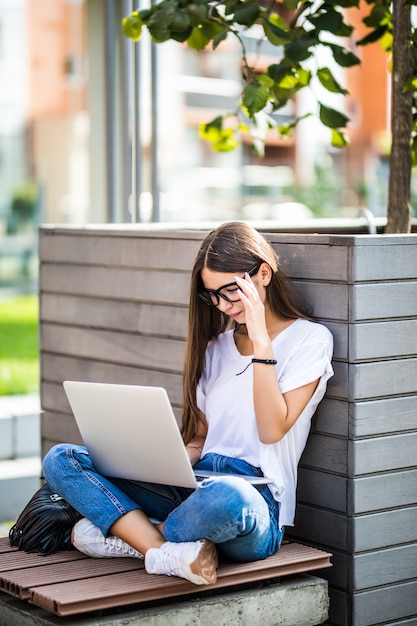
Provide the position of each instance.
(296, 601)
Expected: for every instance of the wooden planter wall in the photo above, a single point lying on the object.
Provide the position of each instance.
(114, 309)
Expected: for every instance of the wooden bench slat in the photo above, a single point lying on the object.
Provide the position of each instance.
(57, 582)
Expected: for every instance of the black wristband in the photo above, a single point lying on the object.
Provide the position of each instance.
(265, 361)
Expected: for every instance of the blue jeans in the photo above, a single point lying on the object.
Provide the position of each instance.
(240, 518)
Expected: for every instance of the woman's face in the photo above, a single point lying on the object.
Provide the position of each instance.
(223, 291)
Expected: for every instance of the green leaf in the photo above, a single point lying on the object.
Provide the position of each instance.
(132, 26)
(277, 71)
(158, 23)
(198, 13)
(255, 98)
(332, 118)
(221, 36)
(329, 82)
(248, 14)
(277, 36)
(339, 139)
(331, 21)
(380, 15)
(343, 56)
(372, 36)
(180, 22)
(198, 40)
(299, 49)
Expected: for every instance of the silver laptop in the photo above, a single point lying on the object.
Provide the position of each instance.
(131, 432)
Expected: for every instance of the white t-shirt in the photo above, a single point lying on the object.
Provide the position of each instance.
(303, 352)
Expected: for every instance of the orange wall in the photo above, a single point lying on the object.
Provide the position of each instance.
(368, 84)
(55, 29)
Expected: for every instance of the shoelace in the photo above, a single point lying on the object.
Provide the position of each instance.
(116, 545)
(172, 558)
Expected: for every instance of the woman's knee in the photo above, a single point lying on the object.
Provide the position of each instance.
(57, 458)
(231, 494)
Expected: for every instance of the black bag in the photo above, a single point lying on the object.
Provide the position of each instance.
(45, 524)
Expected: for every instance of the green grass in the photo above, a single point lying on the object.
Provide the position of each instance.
(19, 350)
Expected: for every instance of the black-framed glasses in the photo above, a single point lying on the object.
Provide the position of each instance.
(227, 292)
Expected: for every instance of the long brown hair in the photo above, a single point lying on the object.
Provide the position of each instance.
(234, 247)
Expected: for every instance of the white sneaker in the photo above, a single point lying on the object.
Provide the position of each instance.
(89, 539)
(194, 560)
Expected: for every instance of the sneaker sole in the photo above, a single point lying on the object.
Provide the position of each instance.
(203, 568)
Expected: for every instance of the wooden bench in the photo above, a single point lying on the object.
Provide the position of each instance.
(69, 583)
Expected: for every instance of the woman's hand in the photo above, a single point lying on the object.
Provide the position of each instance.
(254, 311)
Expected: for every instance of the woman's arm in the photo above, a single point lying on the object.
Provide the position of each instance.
(195, 446)
(275, 412)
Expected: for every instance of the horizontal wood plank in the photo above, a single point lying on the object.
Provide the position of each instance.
(381, 340)
(313, 261)
(114, 347)
(384, 567)
(384, 491)
(321, 527)
(60, 428)
(67, 585)
(385, 262)
(150, 319)
(122, 284)
(322, 489)
(326, 453)
(385, 529)
(383, 454)
(57, 368)
(381, 379)
(119, 251)
(332, 418)
(383, 300)
(383, 416)
(387, 604)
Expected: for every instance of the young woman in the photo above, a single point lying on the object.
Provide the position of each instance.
(256, 368)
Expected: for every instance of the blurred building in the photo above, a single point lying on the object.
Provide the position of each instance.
(108, 129)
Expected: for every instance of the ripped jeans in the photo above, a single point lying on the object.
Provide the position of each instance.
(241, 519)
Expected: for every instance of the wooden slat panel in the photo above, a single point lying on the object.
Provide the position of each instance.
(326, 453)
(340, 339)
(133, 587)
(117, 250)
(384, 491)
(387, 528)
(151, 319)
(383, 301)
(384, 416)
(19, 583)
(385, 262)
(122, 284)
(332, 417)
(384, 454)
(385, 605)
(383, 567)
(54, 399)
(317, 262)
(380, 340)
(329, 300)
(320, 527)
(56, 369)
(322, 489)
(124, 348)
(382, 379)
(60, 428)
(58, 583)
(337, 387)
